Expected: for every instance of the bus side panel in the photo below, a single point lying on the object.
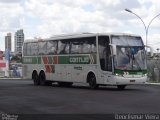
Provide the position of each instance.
(55, 75)
(100, 77)
(65, 72)
(29, 65)
(78, 72)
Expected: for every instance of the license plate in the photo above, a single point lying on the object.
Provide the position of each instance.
(132, 80)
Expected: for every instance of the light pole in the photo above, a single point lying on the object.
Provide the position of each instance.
(146, 27)
(157, 52)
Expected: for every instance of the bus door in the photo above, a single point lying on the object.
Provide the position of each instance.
(105, 58)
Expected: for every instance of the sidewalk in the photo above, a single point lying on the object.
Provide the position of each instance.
(11, 78)
(148, 83)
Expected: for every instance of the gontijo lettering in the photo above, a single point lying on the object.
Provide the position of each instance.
(79, 60)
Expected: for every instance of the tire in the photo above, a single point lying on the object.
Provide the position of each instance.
(92, 81)
(35, 78)
(42, 78)
(121, 87)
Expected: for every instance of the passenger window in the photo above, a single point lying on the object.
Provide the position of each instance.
(34, 48)
(42, 48)
(52, 47)
(89, 45)
(28, 49)
(63, 47)
(85, 45)
(76, 47)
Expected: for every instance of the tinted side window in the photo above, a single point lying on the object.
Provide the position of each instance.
(42, 48)
(25, 49)
(85, 45)
(28, 53)
(34, 48)
(52, 47)
(89, 45)
(76, 46)
(63, 47)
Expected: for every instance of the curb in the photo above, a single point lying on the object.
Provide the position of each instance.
(9, 78)
(152, 83)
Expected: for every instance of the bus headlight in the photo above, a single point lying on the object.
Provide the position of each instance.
(120, 75)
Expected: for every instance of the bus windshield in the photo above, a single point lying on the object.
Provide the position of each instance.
(130, 58)
(130, 53)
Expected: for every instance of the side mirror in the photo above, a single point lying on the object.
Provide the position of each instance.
(151, 50)
(114, 49)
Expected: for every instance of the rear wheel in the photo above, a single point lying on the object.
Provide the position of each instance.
(121, 87)
(92, 81)
(35, 78)
(42, 78)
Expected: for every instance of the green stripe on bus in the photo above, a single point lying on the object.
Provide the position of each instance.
(30, 60)
(39, 60)
(79, 60)
(63, 59)
(76, 59)
(50, 60)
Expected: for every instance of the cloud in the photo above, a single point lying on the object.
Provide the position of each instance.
(10, 1)
(10, 16)
(44, 18)
(68, 16)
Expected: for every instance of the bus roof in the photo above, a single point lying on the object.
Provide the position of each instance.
(78, 35)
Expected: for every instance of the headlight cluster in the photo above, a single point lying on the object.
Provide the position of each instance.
(121, 75)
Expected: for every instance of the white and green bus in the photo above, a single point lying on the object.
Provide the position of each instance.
(93, 58)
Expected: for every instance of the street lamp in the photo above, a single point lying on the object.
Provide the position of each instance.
(157, 52)
(146, 27)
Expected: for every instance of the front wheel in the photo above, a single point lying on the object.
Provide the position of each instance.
(92, 81)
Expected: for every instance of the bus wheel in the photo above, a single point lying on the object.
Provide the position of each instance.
(35, 78)
(92, 81)
(42, 78)
(121, 87)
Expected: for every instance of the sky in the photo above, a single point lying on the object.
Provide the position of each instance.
(45, 18)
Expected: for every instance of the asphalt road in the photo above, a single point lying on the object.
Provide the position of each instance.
(22, 97)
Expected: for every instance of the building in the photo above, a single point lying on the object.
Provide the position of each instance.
(8, 41)
(19, 39)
